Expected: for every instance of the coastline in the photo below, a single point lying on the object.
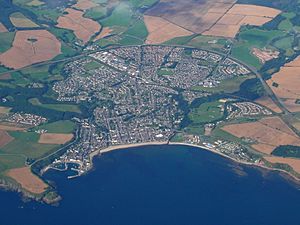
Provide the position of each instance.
(127, 146)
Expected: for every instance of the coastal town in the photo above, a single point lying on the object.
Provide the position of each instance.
(137, 93)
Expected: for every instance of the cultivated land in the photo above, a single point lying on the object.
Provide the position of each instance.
(27, 180)
(85, 5)
(21, 21)
(3, 28)
(195, 16)
(160, 30)
(117, 97)
(268, 102)
(293, 163)
(285, 85)
(30, 47)
(268, 133)
(5, 138)
(106, 31)
(84, 28)
(212, 17)
(55, 138)
(238, 15)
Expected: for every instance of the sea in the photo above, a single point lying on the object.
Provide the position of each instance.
(162, 185)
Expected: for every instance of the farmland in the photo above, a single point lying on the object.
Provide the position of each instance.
(21, 54)
(58, 107)
(268, 133)
(207, 112)
(285, 84)
(21, 21)
(189, 68)
(55, 138)
(82, 27)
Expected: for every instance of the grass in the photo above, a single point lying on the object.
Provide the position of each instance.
(207, 112)
(121, 16)
(10, 161)
(250, 38)
(37, 72)
(138, 29)
(209, 42)
(218, 132)
(194, 129)
(92, 65)
(19, 20)
(142, 3)
(57, 107)
(26, 145)
(96, 13)
(62, 126)
(165, 72)
(285, 25)
(6, 40)
(35, 3)
(180, 40)
(284, 43)
(128, 40)
(226, 86)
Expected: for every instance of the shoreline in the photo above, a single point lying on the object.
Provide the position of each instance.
(127, 146)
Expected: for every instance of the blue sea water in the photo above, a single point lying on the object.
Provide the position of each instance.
(162, 185)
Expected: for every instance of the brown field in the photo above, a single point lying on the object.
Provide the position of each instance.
(268, 133)
(254, 10)
(2, 28)
(265, 54)
(240, 14)
(196, 16)
(11, 128)
(106, 31)
(20, 21)
(160, 30)
(28, 180)
(55, 138)
(223, 30)
(217, 18)
(294, 163)
(4, 110)
(268, 102)
(29, 47)
(288, 80)
(85, 5)
(5, 76)
(5, 138)
(82, 27)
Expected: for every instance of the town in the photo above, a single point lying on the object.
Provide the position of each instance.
(134, 93)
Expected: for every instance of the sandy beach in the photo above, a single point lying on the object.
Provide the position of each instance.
(123, 147)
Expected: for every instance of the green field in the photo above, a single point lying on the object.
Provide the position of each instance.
(180, 40)
(165, 72)
(62, 126)
(6, 40)
(26, 144)
(138, 29)
(208, 42)
(142, 3)
(57, 107)
(10, 161)
(207, 112)
(250, 38)
(96, 13)
(128, 40)
(226, 86)
(121, 16)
